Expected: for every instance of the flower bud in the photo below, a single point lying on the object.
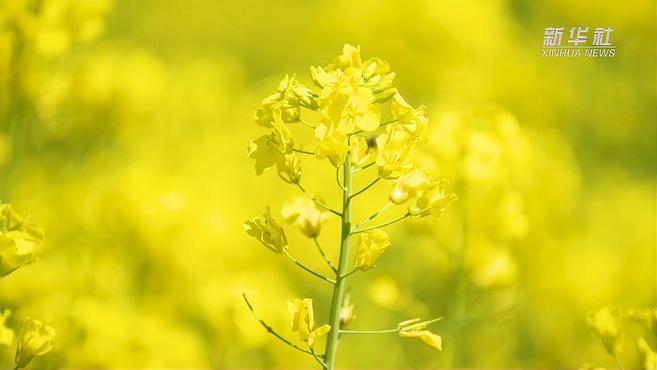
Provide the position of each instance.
(306, 97)
(385, 95)
(375, 67)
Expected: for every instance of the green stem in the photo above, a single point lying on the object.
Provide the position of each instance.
(307, 269)
(382, 225)
(343, 265)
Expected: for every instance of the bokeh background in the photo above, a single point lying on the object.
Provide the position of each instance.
(124, 128)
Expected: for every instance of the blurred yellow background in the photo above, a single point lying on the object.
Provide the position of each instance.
(124, 128)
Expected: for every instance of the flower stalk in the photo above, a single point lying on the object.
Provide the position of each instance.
(307, 269)
(273, 332)
(343, 265)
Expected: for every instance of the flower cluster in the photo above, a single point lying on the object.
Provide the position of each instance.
(609, 325)
(352, 93)
(353, 133)
(21, 241)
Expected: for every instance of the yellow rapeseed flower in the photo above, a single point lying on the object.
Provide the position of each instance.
(21, 240)
(289, 168)
(267, 231)
(350, 88)
(303, 321)
(287, 99)
(303, 213)
(410, 186)
(371, 246)
(35, 339)
(432, 201)
(647, 317)
(411, 119)
(332, 144)
(394, 152)
(267, 150)
(648, 356)
(360, 112)
(608, 324)
(416, 328)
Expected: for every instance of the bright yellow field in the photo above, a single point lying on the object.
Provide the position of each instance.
(124, 133)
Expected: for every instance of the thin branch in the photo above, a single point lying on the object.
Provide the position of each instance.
(374, 215)
(395, 330)
(318, 202)
(365, 188)
(303, 151)
(270, 330)
(407, 214)
(324, 366)
(337, 178)
(321, 251)
(364, 167)
(349, 273)
(392, 121)
(307, 123)
(385, 331)
(307, 269)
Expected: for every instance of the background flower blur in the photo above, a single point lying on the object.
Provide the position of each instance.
(123, 132)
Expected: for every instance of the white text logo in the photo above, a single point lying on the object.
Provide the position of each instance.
(577, 42)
